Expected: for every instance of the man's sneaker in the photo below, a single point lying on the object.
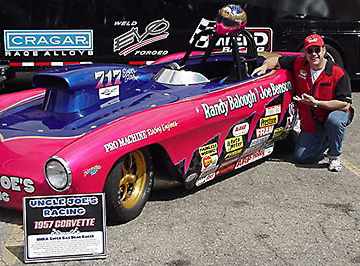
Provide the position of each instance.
(334, 164)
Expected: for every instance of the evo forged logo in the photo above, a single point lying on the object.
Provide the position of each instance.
(132, 40)
(45, 40)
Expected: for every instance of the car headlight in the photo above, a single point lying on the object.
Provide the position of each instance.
(58, 173)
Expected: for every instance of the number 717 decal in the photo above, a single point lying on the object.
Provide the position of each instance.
(113, 77)
(109, 76)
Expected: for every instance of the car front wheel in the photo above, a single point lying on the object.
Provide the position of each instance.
(128, 186)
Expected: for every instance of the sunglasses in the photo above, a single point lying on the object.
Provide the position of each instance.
(316, 50)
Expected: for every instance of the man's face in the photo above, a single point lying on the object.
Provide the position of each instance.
(315, 55)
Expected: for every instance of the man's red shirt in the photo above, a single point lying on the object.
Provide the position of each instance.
(332, 84)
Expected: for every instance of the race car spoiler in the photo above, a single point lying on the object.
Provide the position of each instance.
(77, 87)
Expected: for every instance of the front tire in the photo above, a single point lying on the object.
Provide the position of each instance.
(128, 186)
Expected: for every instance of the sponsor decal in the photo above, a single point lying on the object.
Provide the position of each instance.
(17, 184)
(314, 39)
(232, 154)
(204, 179)
(233, 144)
(225, 169)
(162, 128)
(251, 150)
(289, 122)
(254, 157)
(260, 132)
(151, 52)
(114, 77)
(92, 170)
(278, 132)
(206, 176)
(131, 40)
(138, 136)
(132, 138)
(169, 126)
(268, 121)
(71, 53)
(125, 23)
(226, 166)
(43, 40)
(263, 37)
(273, 110)
(48, 42)
(155, 130)
(191, 177)
(292, 108)
(223, 107)
(208, 150)
(259, 141)
(110, 102)
(241, 129)
(209, 161)
(286, 133)
(129, 74)
(302, 74)
(109, 92)
(228, 162)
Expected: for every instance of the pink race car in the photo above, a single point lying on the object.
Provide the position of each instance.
(118, 129)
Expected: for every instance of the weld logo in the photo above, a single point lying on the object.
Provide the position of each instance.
(132, 40)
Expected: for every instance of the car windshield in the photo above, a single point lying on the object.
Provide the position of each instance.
(179, 77)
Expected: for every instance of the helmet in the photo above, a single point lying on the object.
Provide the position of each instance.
(231, 19)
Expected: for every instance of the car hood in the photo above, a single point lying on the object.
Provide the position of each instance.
(26, 156)
(32, 121)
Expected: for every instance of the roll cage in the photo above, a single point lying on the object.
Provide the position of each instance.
(242, 63)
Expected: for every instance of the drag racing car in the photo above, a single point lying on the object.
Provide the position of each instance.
(184, 120)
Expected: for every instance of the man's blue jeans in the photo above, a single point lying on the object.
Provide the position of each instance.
(310, 146)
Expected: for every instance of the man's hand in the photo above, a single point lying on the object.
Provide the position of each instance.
(306, 99)
(270, 63)
(259, 71)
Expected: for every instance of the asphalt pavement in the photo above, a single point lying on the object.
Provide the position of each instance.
(272, 213)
